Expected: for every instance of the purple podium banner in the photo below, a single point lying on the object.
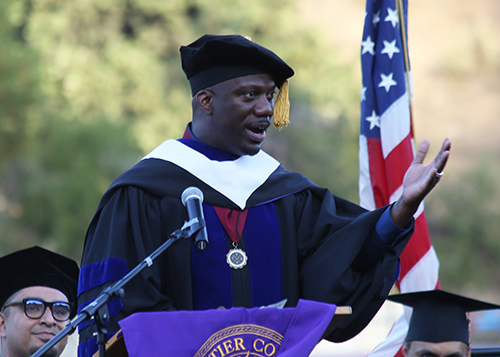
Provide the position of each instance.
(236, 332)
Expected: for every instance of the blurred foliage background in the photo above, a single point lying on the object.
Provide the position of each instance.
(88, 87)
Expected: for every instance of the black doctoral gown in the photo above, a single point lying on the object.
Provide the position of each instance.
(319, 237)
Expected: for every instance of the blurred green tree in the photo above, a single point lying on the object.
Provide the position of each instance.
(464, 220)
(19, 82)
(99, 83)
(87, 87)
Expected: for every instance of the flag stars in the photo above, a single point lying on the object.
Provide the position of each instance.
(390, 48)
(367, 46)
(392, 17)
(387, 81)
(374, 120)
(363, 93)
(376, 18)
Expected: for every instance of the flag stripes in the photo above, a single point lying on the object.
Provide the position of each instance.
(387, 145)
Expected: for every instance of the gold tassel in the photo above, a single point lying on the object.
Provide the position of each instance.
(282, 107)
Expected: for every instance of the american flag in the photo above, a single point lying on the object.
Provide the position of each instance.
(387, 145)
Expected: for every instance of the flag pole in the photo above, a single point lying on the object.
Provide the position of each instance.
(402, 28)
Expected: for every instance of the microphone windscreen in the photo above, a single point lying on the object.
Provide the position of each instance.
(191, 192)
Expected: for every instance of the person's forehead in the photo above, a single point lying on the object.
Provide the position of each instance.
(255, 80)
(39, 292)
(449, 348)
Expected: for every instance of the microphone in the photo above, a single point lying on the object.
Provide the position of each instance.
(192, 198)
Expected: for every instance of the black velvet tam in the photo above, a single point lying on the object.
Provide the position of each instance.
(439, 316)
(214, 59)
(37, 267)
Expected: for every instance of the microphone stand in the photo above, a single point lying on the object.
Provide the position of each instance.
(97, 310)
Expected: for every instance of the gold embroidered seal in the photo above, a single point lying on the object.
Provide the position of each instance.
(242, 341)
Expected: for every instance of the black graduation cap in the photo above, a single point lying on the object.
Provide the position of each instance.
(439, 316)
(213, 59)
(38, 267)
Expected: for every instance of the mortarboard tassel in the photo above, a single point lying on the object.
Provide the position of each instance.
(282, 107)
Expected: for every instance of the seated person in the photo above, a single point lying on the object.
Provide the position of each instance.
(439, 326)
(37, 300)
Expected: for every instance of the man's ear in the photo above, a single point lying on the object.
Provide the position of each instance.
(204, 100)
(3, 332)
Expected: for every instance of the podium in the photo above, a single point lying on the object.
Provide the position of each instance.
(276, 332)
(115, 347)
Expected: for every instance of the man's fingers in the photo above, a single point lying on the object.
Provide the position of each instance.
(443, 159)
(421, 152)
(443, 155)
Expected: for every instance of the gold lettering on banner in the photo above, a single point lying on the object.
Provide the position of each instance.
(222, 354)
(238, 342)
(267, 348)
(242, 341)
(228, 346)
(256, 347)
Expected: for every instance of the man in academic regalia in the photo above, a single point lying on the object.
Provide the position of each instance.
(37, 300)
(272, 233)
(439, 326)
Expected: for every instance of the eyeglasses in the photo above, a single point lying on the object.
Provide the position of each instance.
(34, 309)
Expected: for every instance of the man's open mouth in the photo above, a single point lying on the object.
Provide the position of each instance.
(258, 128)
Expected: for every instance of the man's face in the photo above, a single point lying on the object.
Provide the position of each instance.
(442, 349)
(22, 336)
(241, 110)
